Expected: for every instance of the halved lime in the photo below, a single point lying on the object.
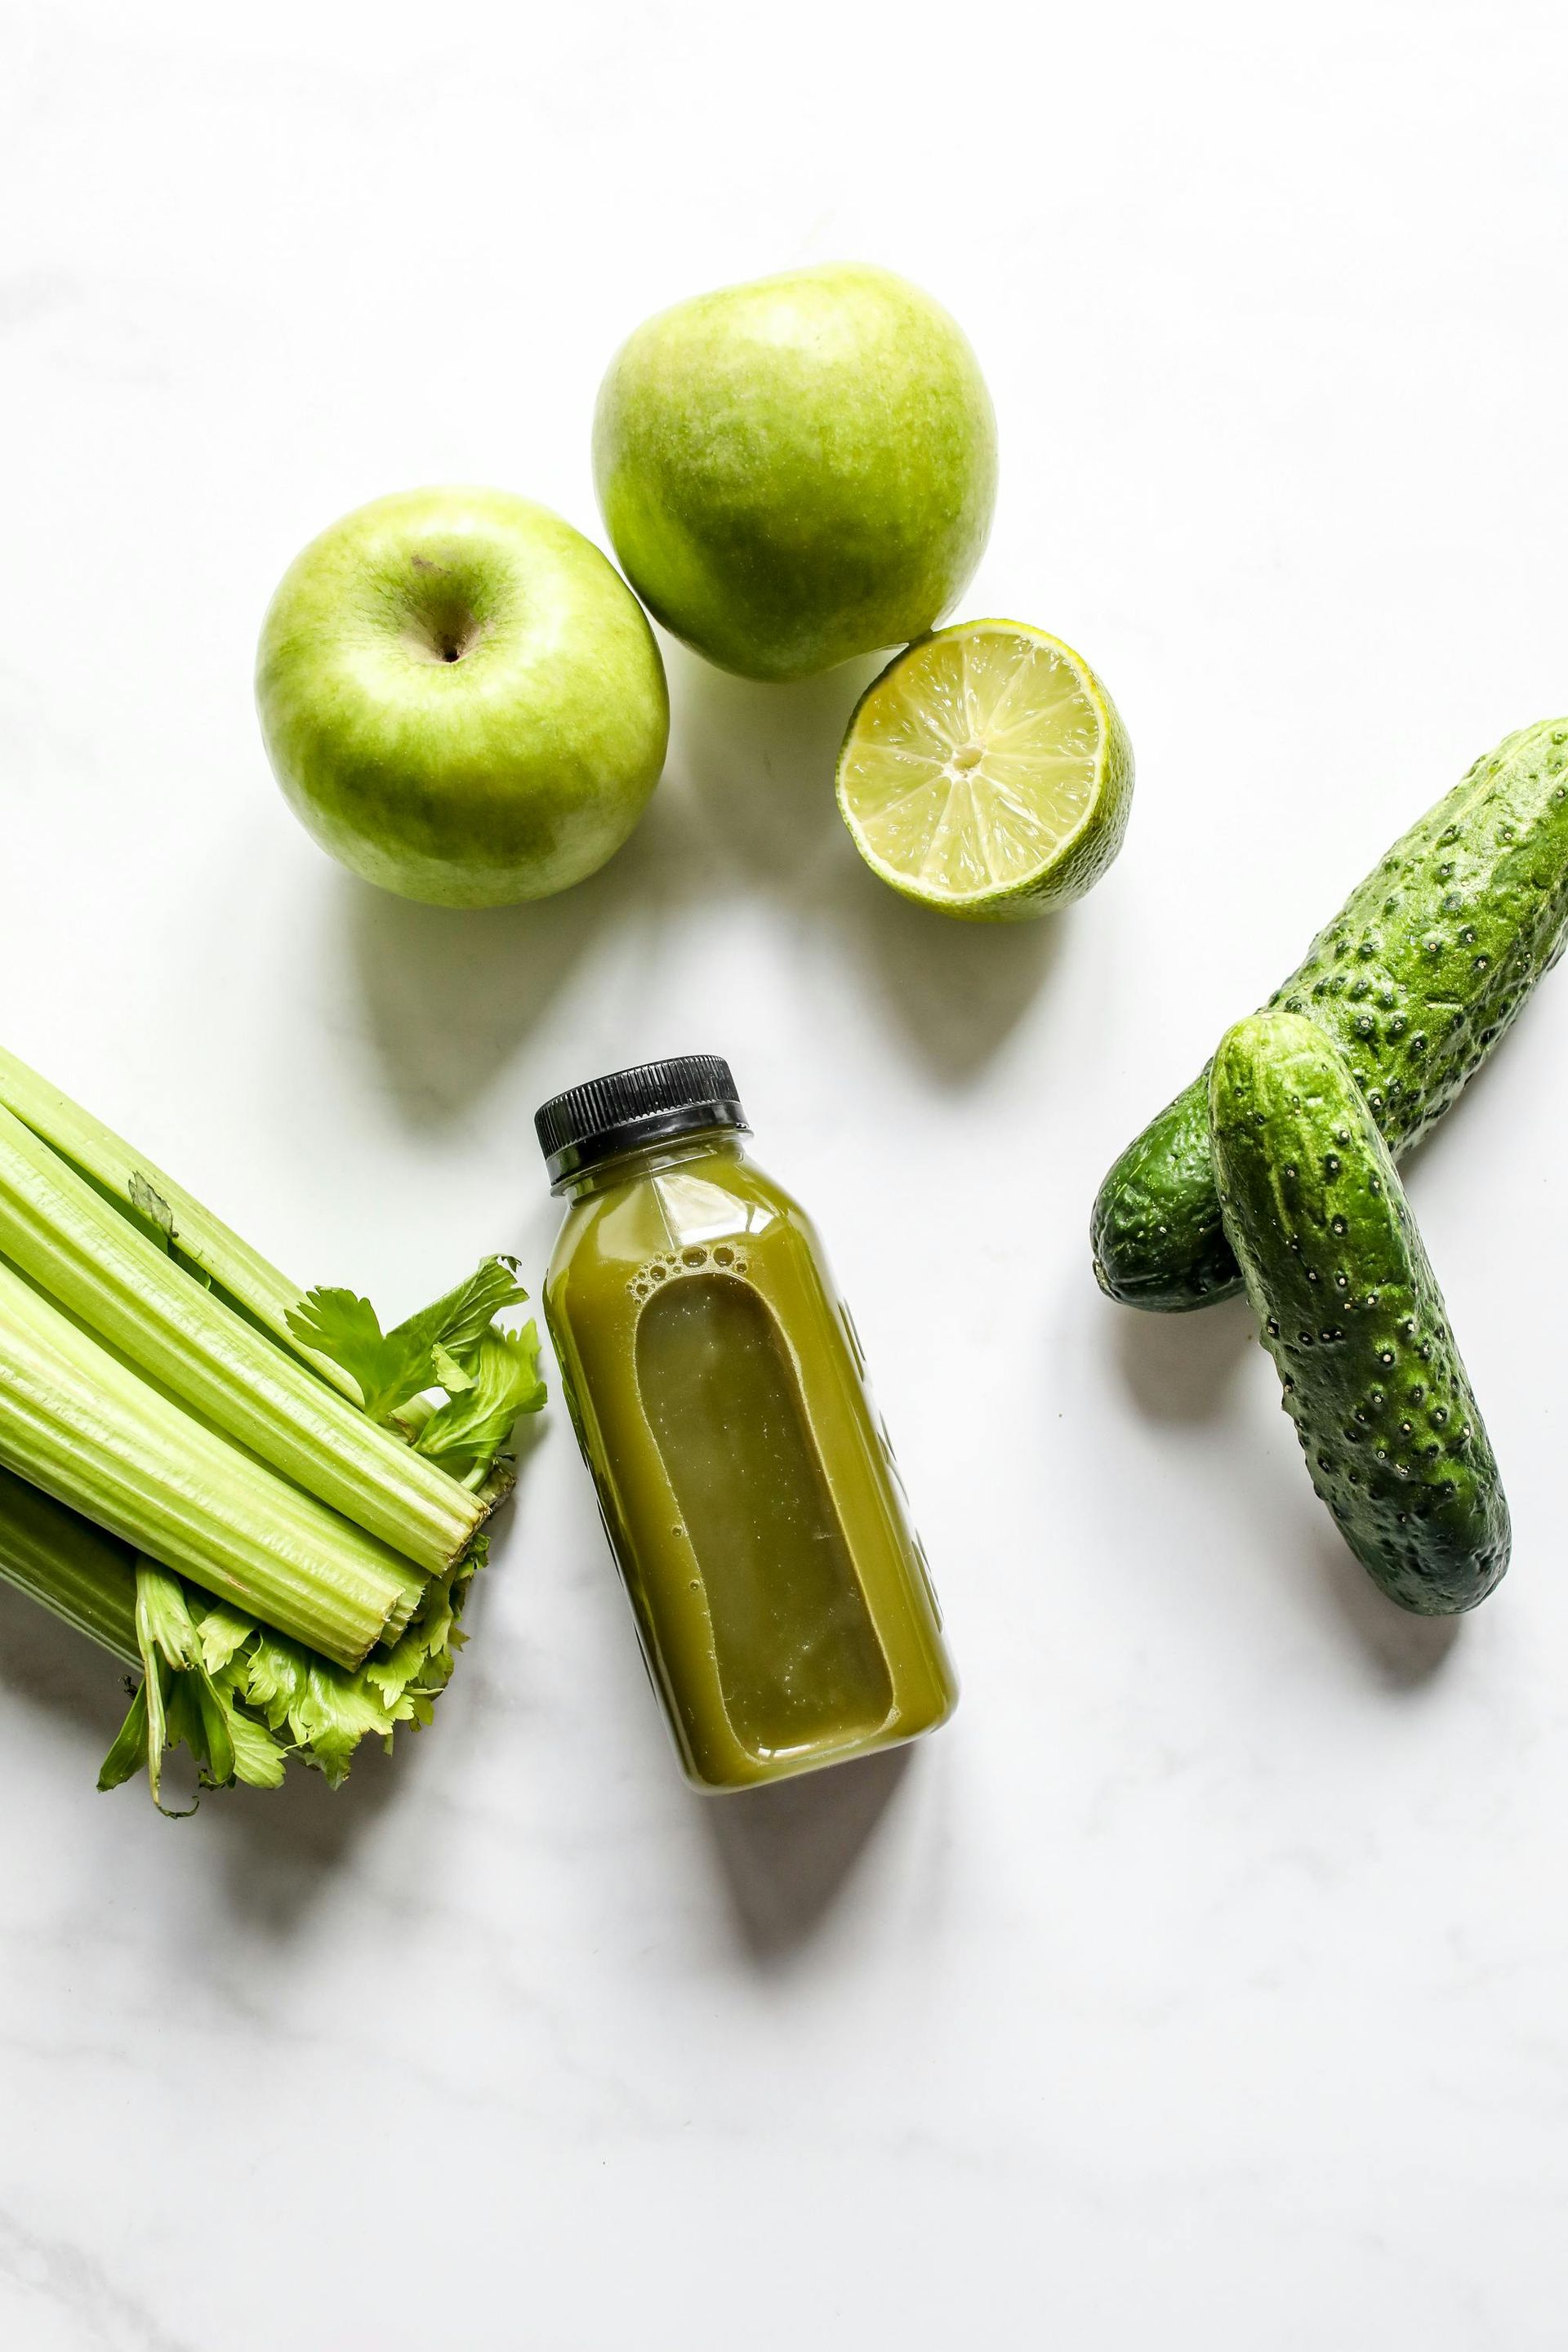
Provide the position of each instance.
(986, 773)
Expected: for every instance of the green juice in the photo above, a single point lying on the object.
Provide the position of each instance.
(717, 1390)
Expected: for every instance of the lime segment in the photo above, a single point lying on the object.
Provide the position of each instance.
(986, 772)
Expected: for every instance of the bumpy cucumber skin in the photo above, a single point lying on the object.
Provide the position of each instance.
(1350, 1311)
(1418, 975)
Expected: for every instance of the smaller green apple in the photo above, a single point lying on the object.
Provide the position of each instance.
(461, 697)
(797, 470)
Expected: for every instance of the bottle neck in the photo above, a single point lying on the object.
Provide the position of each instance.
(650, 1159)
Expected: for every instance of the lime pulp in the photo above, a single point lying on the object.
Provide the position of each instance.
(986, 772)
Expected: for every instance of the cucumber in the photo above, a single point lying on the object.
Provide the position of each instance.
(1351, 1312)
(1416, 978)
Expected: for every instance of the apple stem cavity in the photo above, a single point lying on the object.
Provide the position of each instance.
(444, 633)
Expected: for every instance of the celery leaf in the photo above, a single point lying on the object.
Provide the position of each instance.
(179, 1702)
(325, 1709)
(387, 1368)
(334, 1713)
(128, 1753)
(391, 1368)
(468, 1431)
(245, 1699)
(222, 1632)
(459, 1321)
(259, 1760)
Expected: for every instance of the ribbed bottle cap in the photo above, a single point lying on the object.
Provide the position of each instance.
(633, 1108)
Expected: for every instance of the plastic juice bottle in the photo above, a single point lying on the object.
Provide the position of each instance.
(716, 1388)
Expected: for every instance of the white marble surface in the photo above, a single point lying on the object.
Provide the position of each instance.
(1203, 1985)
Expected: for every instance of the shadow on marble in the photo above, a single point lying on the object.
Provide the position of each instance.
(44, 1662)
(449, 993)
(284, 1845)
(1405, 1651)
(957, 990)
(786, 1852)
(760, 762)
(277, 1849)
(282, 1848)
(1181, 1368)
(295, 1833)
(277, 1843)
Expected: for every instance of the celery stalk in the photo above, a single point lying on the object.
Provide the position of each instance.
(75, 1570)
(208, 1670)
(199, 1239)
(77, 1421)
(95, 1263)
(140, 1613)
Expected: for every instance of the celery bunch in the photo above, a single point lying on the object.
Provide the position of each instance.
(269, 1504)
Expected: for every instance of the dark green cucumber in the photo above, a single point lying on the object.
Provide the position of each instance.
(1416, 978)
(1351, 1312)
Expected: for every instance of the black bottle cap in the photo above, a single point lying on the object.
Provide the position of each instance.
(633, 1108)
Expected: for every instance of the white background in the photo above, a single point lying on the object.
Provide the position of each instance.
(1203, 1985)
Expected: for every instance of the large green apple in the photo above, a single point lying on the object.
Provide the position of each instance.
(797, 470)
(461, 697)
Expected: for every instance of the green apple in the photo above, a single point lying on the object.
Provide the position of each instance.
(797, 470)
(461, 697)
